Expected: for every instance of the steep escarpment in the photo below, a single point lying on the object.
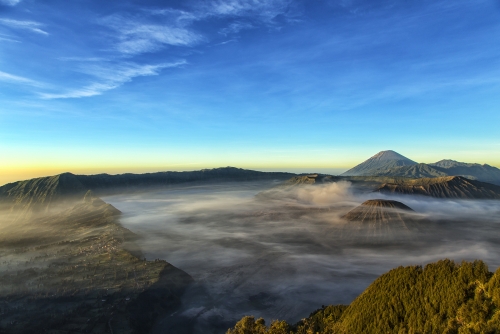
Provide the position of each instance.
(46, 193)
(41, 194)
(443, 187)
(484, 173)
(103, 183)
(79, 271)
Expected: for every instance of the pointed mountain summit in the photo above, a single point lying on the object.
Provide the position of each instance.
(381, 161)
(389, 155)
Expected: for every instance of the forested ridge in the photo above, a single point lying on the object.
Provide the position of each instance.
(442, 297)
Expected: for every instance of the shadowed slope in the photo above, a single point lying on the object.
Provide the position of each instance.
(444, 187)
(41, 194)
(76, 272)
(105, 183)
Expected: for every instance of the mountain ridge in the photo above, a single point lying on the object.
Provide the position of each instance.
(443, 187)
(395, 165)
(44, 193)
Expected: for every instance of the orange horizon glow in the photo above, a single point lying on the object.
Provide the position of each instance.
(11, 174)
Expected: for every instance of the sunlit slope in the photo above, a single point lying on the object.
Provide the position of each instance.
(383, 160)
(442, 297)
(485, 173)
(414, 171)
(443, 187)
(78, 271)
(379, 218)
(439, 187)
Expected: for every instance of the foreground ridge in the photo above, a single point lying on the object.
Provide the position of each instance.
(79, 271)
(442, 297)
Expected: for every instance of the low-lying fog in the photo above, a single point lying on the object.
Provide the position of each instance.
(283, 257)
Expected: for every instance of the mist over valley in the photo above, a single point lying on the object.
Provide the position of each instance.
(194, 252)
(282, 258)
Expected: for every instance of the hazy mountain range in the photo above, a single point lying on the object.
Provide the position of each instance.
(46, 192)
(70, 266)
(443, 187)
(390, 163)
(387, 171)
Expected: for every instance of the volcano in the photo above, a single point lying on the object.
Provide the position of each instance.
(381, 219)
(444, 187)
(379, 163)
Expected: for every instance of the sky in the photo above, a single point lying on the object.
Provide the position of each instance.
(320, 85)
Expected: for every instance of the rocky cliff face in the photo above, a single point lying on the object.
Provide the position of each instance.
(78, 271)
(443, 187)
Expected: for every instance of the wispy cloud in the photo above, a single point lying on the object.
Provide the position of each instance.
(7, 77)
(8, 38)
(181, 18)
(264, 9)
(87, 91)
(227, 42)
(145, 32)
(25, 25)
(9, 2)
(111, 77)
(235, 27)
(137, 36)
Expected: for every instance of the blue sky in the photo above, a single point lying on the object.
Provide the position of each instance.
(116, 86)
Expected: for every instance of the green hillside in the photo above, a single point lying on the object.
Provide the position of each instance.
(442, 297)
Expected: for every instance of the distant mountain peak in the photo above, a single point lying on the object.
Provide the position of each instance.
(383, 160)
(389, 155)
